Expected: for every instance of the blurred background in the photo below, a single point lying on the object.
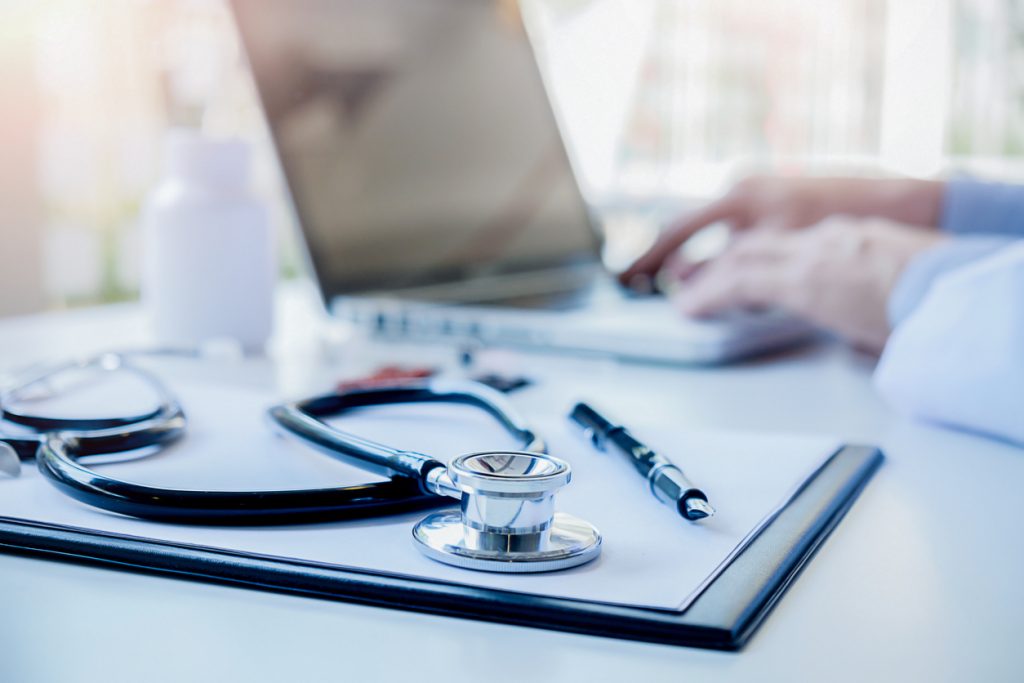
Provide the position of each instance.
(659, 99)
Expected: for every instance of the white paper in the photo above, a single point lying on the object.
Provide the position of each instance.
(651, 557)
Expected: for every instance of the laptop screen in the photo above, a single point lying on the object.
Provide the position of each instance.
(417, 140)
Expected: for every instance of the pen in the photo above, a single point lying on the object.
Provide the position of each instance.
(667, 482)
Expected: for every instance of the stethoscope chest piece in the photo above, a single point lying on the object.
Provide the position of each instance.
(507, 521)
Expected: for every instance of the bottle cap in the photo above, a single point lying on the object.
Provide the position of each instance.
(215, 163)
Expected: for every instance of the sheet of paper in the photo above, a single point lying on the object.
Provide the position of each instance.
(651, 557)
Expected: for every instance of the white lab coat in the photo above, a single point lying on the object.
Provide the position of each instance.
(957, 357)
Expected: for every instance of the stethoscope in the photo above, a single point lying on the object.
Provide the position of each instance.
(506, 521)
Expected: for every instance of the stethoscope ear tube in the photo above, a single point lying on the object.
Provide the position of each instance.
(104, 362)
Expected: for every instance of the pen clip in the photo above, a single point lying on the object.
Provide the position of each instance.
(594, 427)
(594, 437)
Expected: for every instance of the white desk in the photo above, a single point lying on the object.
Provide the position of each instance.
(909, 587)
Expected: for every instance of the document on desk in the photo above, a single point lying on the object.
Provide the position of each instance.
(651, 558)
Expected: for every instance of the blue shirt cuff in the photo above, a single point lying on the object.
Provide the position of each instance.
(975, 207)
(928, 266)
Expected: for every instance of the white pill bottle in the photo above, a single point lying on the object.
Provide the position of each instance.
(209, 257)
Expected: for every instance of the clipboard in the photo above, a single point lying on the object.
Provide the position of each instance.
(724, 615)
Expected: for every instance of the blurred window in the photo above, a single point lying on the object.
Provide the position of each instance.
(658, 97)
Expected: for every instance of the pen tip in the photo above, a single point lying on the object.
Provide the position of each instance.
(697, 508)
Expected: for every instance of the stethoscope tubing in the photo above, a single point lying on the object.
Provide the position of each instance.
(61, 443)
(304, 420)
(58, 459)
(56, 462)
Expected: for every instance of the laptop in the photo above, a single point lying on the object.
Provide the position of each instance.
(434, 191)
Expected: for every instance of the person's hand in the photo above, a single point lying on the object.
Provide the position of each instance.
(837, 274)
(781, 203)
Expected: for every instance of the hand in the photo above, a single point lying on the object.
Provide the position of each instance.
(784, 203)
(838, 274)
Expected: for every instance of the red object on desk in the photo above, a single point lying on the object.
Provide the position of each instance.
(388, 375)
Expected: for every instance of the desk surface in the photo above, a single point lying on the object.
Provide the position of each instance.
(905, 589)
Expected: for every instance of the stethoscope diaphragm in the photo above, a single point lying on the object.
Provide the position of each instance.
(507, 521)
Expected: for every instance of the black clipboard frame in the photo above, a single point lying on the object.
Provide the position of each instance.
(724, 616)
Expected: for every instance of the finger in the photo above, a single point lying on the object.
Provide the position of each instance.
(756, 272)
(760, 246)
(674, 276)
(678, 267)
(651, 261)
(751, 287)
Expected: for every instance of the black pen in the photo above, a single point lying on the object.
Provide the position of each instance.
(668, 483)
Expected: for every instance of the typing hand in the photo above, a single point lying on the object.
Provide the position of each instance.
(771, 204)
(837, 274)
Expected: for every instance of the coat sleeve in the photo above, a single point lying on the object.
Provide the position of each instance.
(919, 275)
(979, 207)
(957, 358)
(981, 218)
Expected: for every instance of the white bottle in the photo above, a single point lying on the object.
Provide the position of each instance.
(209, 256)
